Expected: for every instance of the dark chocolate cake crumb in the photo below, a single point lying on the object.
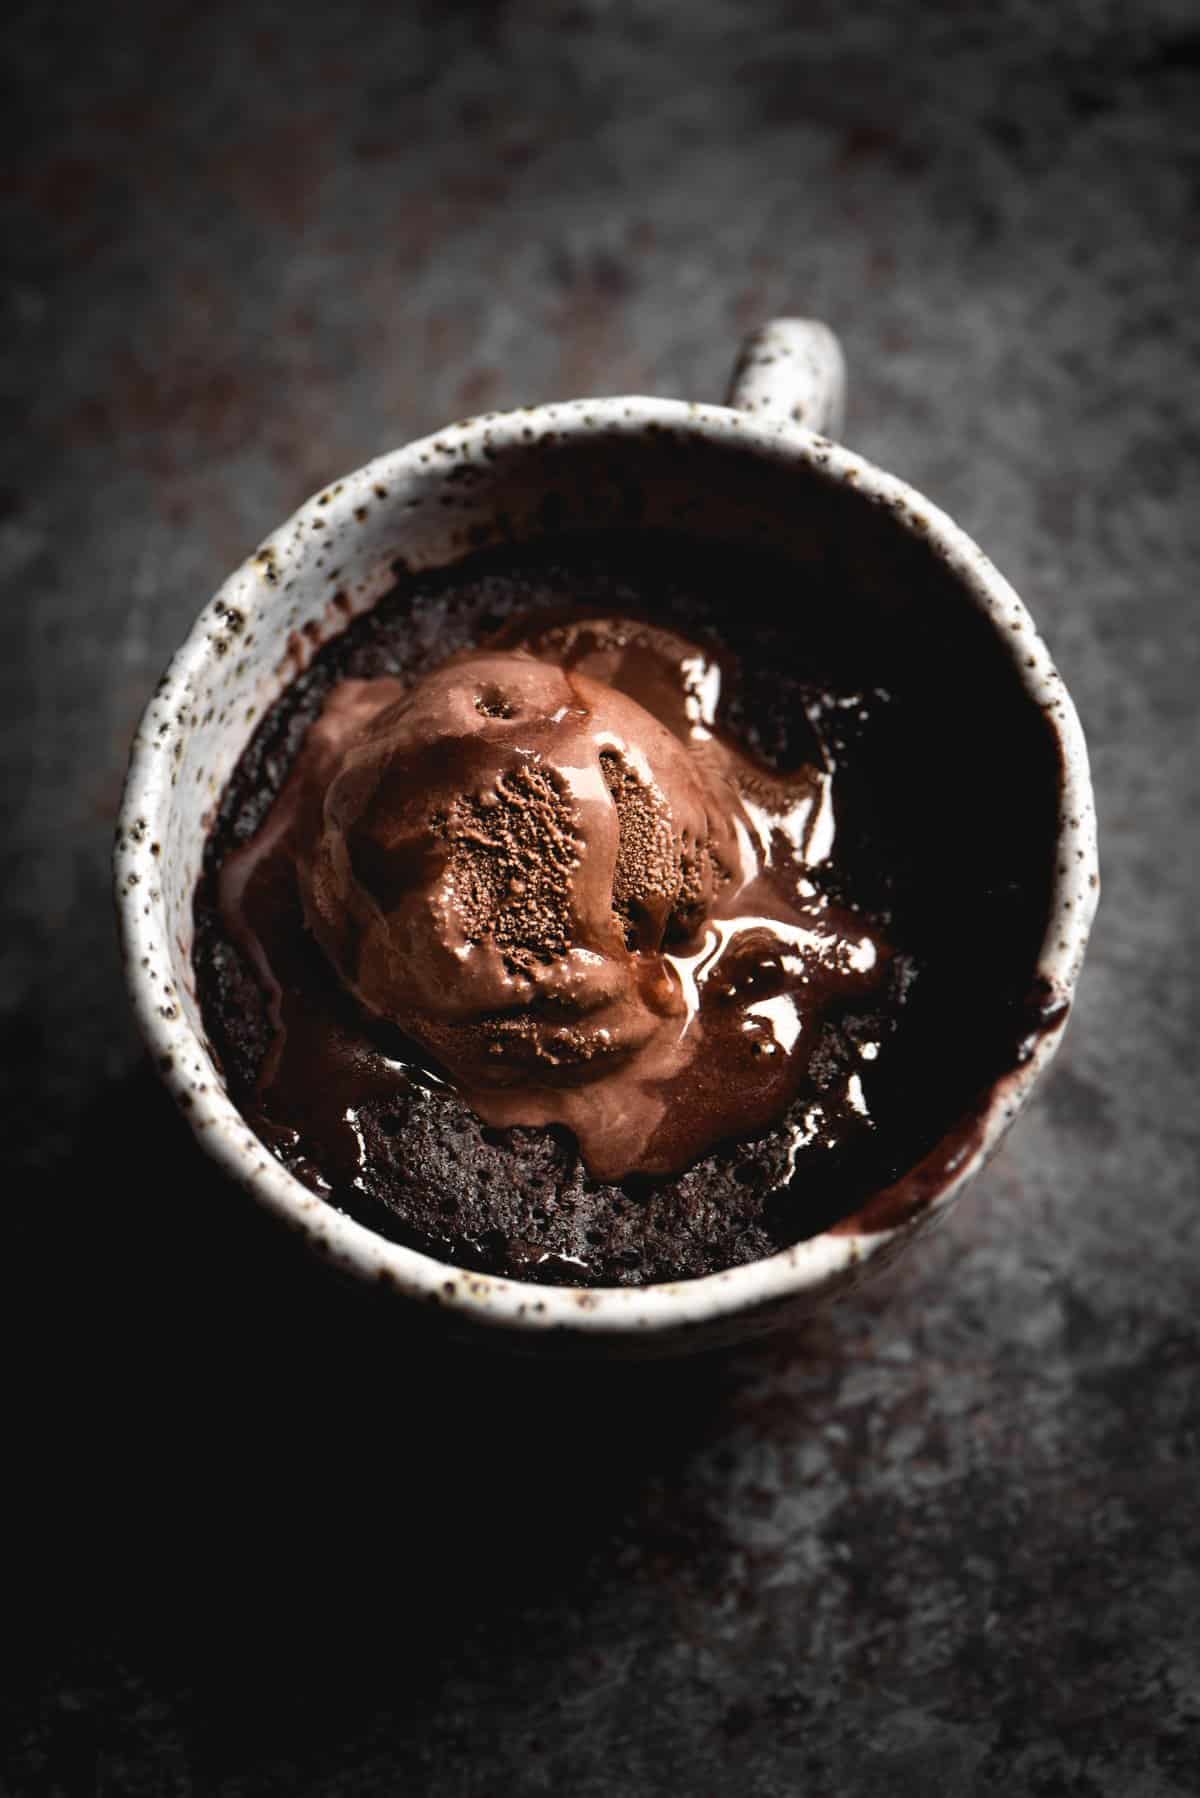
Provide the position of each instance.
(945, 800)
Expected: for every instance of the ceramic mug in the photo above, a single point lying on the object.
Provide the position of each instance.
(760, 468)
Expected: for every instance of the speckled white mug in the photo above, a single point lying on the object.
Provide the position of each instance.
(749, 469)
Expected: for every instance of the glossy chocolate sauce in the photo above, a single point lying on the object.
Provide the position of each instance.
(585, 949)
(545, 865)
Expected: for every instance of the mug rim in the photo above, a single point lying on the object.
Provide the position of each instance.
(828, 1260)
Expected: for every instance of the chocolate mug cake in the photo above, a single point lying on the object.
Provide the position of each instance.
(611, 947)
(614, 869)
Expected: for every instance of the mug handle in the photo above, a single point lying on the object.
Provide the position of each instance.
(792, 370)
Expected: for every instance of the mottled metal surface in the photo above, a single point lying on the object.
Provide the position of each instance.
(944, 1540)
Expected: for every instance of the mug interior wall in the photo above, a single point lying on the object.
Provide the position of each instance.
(976, 780)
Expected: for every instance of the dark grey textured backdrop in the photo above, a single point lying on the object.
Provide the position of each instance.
(943, 1541)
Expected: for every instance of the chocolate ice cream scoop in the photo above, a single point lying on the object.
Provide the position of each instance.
(543, 864)
(501, 856)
